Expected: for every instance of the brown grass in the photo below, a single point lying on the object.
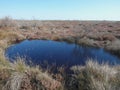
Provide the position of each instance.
(20, 76)
(96, 76)
(13, 75)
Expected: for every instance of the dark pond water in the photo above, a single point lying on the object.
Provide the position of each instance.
(61, 53)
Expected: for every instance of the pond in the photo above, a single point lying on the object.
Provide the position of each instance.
(60, 53)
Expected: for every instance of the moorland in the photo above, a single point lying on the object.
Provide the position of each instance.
(18, 75)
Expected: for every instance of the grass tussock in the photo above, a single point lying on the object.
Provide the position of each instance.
(114, 46)
(20, 76)
(9, 37)
(93, 76)
(14, 82)
(96, 76)
(3, 62)
(20, 66)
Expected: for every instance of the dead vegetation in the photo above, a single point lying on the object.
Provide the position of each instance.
(91, 33)
(8, 22)
(93, 76)
(20, 76)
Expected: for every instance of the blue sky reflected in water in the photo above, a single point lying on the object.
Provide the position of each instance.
(60, 53)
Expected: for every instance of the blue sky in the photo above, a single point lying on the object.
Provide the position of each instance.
(61, 9)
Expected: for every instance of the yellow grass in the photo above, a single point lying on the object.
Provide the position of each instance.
(20, 76)
(94, 76)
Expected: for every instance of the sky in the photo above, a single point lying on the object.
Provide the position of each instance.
(61, 9)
